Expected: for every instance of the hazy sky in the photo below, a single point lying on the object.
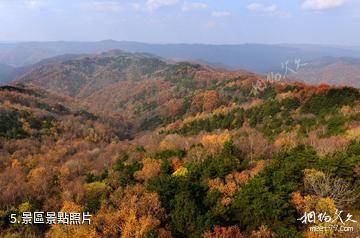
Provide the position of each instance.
(183, 21)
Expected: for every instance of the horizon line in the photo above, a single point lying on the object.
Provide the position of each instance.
(173, 43)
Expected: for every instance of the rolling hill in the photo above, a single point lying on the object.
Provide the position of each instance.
(138, 85)
(333, 71)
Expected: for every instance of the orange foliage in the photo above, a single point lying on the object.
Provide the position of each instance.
(323, 88)
(211, 100)
(234, 181)
(137, 212)
(298, 200)
(70, 231)
(151, 168)
(176, 163)
(206, 101)
(224, 232)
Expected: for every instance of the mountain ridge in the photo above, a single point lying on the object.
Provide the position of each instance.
(224, 54)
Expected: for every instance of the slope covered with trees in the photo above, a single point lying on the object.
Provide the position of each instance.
(182, 150)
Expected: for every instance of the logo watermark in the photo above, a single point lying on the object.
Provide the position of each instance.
(324, 222)
(272, 77)
(64, 218)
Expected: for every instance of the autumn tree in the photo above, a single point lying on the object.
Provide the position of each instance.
(262, 232)
(211, 100)
(69, 231)
(323, 186)
(150, 169)
(224, 232)
(137, 212)
(206, 101)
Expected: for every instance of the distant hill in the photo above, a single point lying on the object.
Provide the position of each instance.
(82, 75)
(10, 73)
(330, 70)
(253, 57)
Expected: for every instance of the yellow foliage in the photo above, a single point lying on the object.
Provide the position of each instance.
(69, 206)
(311, 176)
(286, 140)
(281, 96)
(215, 139)
(92, 136)
(310, 202)
(353, 133)
(26, 127)
(325, 205)
(137, 213)
(205, 115)
(182, 171)
(215, 142)
(25, 207)
(96, 189)
(70, 231)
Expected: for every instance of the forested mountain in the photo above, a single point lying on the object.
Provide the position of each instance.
(143, 88)
(82, 76)
(158, 149)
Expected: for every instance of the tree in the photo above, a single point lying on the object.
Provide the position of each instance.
(70, 231)
(136, 213)
(215, 142)
(298, 200)
(151, 168)
(263, 232)
(323, 186)
(211, 100)
(94, 193)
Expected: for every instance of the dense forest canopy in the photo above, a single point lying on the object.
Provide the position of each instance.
(153, 149)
